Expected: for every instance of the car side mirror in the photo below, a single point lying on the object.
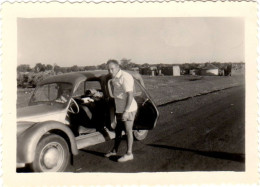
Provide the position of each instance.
(109, 88)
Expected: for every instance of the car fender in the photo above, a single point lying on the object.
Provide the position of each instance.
(28, 140)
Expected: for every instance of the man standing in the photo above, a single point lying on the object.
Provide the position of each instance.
(126, 107)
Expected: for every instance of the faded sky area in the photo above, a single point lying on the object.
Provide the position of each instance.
(92, 41)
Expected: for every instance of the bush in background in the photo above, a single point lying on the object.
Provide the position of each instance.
(30, 79)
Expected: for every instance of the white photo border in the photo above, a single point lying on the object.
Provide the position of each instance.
(11, 11)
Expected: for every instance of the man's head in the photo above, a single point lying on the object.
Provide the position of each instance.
(66, 93)
(113, 67)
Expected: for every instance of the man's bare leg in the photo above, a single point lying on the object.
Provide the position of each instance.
(117, 140)
(129, 135)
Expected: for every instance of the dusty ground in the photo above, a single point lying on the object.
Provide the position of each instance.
(168, 88)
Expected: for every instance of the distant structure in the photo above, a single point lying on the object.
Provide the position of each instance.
(193, 72)
(185, 71)
(209, 69)
(203, 69)
(228, 70)
(148, 71)
(176, 71)
(170, 70)
(235, 69)
(145, 71)
(153, 70)
(221, 72)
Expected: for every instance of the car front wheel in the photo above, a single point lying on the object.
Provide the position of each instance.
(52, 154)
(140, 134)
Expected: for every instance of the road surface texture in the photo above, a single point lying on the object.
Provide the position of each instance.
(203, 133)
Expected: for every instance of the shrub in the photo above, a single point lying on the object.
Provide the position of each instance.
(27, 80)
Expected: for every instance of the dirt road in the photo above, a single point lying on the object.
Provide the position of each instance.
(204, 133)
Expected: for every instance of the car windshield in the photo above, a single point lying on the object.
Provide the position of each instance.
(54, 93)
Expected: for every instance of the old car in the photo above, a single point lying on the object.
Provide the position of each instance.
(72, 111)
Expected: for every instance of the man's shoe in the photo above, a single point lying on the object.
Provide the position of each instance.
(109, 154)
(126, 157)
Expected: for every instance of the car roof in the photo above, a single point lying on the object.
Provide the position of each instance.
(74, 77)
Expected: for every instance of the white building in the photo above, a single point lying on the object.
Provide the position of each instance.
(209, 69)
(176, 71)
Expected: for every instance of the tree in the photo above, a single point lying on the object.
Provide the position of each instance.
(57, 69)
(193, 65)
(39, 67)
(22, 80)
(23, 68)
(75, 68)
(49, 67)
(102, 66)
(82, 68)
(87, 68)
(185, 66)
(125, 63)
(132, 65)
(145, 65)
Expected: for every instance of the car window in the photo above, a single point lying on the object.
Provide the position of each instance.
(89, 85)
(46, 93)
(52, 92)
(137, 90)
(80, 90)
(139, 93)
(93, 85)
(93, 90)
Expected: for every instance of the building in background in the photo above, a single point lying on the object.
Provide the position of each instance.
(149, 71)
(170, 70)
(194, 71)
(176, 71)
(209, 69)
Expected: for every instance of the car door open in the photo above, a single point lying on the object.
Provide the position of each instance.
(147, 113)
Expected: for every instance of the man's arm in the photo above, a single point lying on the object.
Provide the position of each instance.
(129, 99)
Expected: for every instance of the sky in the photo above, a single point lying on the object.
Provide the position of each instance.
(93, 41)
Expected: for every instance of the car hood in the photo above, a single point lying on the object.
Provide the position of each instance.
(41, 112)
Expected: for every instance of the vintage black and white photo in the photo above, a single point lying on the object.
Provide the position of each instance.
(193, 68)
(116, 94)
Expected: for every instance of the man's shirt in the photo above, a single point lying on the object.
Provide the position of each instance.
(123, 83)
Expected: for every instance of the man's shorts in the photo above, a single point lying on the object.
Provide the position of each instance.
(130, 117)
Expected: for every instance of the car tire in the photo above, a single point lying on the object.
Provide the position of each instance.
(140, 134)
(52, 154)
